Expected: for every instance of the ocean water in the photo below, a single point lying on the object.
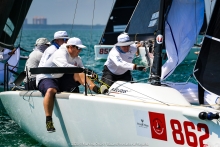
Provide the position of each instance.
(12, 135)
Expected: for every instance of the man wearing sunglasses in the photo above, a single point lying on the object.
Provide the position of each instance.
(119, 62)
(60, 37)
(33, 61)
(49, 84)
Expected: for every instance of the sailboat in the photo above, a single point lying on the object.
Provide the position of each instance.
(139, 27)
(131, 114)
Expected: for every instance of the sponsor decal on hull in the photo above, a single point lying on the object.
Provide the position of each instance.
(142, 123)
(182, 132)
(158, 126)
(119, 90)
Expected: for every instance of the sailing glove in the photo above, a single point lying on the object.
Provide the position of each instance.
(140, 68)
(90, 73)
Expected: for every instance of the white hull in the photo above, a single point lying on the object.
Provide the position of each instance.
(125, 117)
(10, 86)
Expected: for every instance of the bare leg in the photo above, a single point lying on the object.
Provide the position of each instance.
(80, 77)
(49, 101)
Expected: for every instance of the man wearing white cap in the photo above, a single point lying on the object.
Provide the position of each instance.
(50, 84)
(119, 61)
(33, 61)
(60, 37)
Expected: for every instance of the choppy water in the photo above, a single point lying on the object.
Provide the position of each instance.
(10, 132)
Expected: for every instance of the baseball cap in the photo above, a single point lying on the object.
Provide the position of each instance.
(42, 41)
(75, 41)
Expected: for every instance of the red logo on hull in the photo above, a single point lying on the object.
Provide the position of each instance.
(158, 126)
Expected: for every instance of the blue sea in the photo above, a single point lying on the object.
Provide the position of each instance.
(12, 135)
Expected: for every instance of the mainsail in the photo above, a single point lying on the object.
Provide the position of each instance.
(12, 14)
(118, 20)
(144, 21)
(182, 26)
(207, 67)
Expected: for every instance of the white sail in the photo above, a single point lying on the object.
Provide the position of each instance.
(13, 65)
(181, 31)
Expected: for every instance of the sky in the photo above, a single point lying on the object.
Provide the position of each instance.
(62, 11)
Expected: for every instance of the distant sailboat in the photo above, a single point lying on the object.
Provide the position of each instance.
(140, 27)
(118, 19)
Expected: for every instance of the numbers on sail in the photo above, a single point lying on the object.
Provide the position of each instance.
(104, 50)
(187, 133)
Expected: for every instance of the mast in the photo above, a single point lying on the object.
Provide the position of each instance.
(157, 63)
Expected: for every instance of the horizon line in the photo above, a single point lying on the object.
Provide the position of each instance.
(67, 24)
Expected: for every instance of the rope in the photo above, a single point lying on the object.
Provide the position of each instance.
(141, 94)
(89, 88)
(130, 89)
(144, 101)
(91, 33)
(135, 37)
(74, 17)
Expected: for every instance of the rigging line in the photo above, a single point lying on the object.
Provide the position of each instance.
(187, 81)
(91, 33)
(135, 91)
(74, 18)
(119, 85)
(213, 38)
(135, 37)
(136, 81)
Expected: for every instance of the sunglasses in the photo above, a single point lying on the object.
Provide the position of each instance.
(78, 48)
(65, 40)
(75, 47)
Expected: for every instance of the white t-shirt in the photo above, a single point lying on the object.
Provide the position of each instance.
(33, 62)
(60, 58)
(118, 63)
(47, 54)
